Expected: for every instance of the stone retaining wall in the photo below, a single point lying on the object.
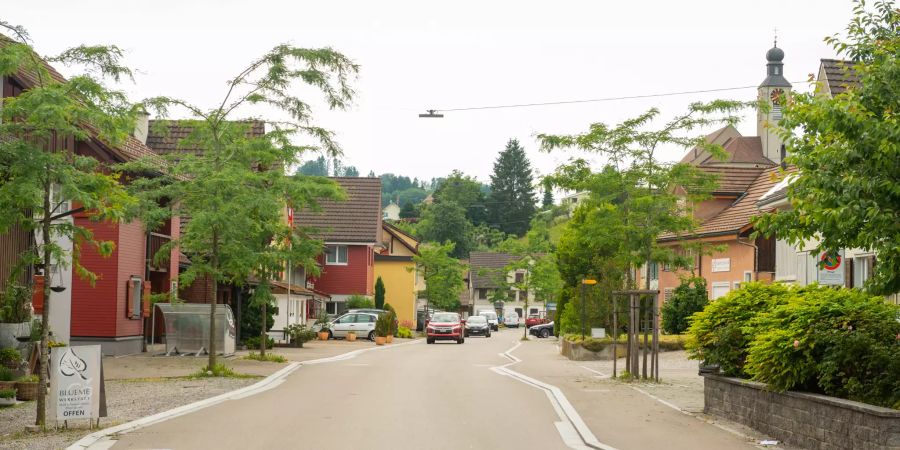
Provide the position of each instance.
(576, 352)
(810, 421)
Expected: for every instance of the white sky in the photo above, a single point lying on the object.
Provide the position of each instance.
(416, 55)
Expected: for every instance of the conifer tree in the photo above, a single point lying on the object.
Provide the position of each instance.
(511, 204)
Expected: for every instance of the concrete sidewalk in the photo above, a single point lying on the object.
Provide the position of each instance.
(148, 366)
(622, 416)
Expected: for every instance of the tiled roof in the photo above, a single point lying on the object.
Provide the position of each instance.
(840, 75)
(410, 242)
(737, 216)
(487, 268)
(743, 150)
(720, 136)
(733, 180)
(165, 136)
(129, 150)
(354, 220)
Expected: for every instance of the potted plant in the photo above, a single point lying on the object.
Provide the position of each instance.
(390, 311)
(324, 325)
(299, 334)
(27, 388)
(351, 336)
(15, 315)
(10, 358)
(7, 397)
(6, 378)
(382, 328)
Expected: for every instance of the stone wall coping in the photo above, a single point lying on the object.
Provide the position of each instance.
(818, 398)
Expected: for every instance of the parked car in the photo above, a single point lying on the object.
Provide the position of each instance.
(445, 326)
(362, 323)
(366, 310)
(542, 331)
(491, 317)
(477, 326)
(535, 319)
(511, 320)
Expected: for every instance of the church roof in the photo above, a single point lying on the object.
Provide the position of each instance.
(839, 75)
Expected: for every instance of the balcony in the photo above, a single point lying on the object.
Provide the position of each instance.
(156, 241)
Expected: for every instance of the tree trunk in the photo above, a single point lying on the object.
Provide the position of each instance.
(44, 365)
(262, 335)
(215, 298)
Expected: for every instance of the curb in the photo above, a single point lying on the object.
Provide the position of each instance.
(564, 408)
(101, 439)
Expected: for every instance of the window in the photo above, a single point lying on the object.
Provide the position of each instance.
(862, 270)
(748, 276)
(653, 271)
(336, 255)
(520, 277)
(776, 112)
(482, 294)
(719, 289)
(667, 294)
(350, 318)
(135, 293)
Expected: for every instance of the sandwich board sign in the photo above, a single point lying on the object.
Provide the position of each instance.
(76, 378)
(831, 269)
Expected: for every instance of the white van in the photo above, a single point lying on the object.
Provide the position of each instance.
(491, 317)
(511, 320)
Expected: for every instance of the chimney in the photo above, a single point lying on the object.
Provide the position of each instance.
(142, 126)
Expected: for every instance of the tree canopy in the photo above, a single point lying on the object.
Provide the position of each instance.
(511, 203)
(442, 273)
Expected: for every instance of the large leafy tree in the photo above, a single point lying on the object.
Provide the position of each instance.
(235, 189)
(511, 204)
(466, 192)
(41, 176)
(447, 222)
(846, 192)
(442, 273)
(315, 167)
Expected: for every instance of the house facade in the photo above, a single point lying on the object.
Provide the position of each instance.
(395, 266)
(488, 274)
(352, 233)
(390, 212)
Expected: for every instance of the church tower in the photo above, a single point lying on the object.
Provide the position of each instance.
(772, 89)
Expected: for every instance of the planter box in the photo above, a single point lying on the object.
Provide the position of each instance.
(576, 352)
(811, 421)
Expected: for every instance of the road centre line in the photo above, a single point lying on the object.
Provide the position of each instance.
(558, 400)
(100, 439)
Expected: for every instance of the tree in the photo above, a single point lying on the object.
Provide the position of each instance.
(846, 192)
(357, 301)
(689, 297)
(379, 293)
(315, 167)
(408, 211)
(351, 171)
(40, 179)
(442, 273)
(235, 189)
(446, 222)
(547, 201)
(466, 192)
(511, 204)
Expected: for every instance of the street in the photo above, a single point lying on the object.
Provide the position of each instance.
(420, 396)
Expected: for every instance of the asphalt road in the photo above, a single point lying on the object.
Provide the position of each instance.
(441, 396)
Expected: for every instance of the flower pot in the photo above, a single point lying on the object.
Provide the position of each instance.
(26, 391)
(351, 337)
(323, 335)
(380, 340)
(389, 339)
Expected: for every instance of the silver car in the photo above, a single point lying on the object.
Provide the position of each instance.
(363, 323)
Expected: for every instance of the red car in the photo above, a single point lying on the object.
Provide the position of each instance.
(535, 320)
(445, 326)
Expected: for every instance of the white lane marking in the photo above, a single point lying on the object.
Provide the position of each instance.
(564, 410)
(99, 440)
(601, 374)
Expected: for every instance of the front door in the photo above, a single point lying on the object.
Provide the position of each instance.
(719, 289)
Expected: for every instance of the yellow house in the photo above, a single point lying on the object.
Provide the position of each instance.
(394, 264)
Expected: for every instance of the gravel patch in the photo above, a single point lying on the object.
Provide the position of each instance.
(126, 400)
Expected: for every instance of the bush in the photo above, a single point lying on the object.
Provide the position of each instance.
(383, 325)
(10, 357)
(569, 321)
(404, 332)
(688, 298)
(720, 334)
(29, 379)
(7, 393)
(839, 342)
(253, 342)
(300, 334)
(357, 301)
(6, 374)
(269, 357)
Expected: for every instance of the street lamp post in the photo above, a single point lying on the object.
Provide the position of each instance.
(584, 282)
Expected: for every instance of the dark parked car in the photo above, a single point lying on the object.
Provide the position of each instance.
(445, 326)
(477, 326)
(542, 331)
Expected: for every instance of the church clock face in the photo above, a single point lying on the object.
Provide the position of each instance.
(776, 95)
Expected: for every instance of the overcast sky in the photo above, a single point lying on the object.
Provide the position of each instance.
(416, 55)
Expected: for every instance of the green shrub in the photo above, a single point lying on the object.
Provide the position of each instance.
(300, 334)
(253, 342)
(393, 315)
(383, 324)
(6, 374)
(7, 393)
(10, 356)
(688, 298)
(404, 332)
(269, 357)
(667, 342)
(839, 342)
(219, 370)
(569, 320)
(357, 301)
(720, 334)
(29, 379)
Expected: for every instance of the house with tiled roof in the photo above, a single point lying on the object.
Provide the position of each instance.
(111, 311)
(488, 272)
(352, 232)
(395, 266)
(730, 254)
